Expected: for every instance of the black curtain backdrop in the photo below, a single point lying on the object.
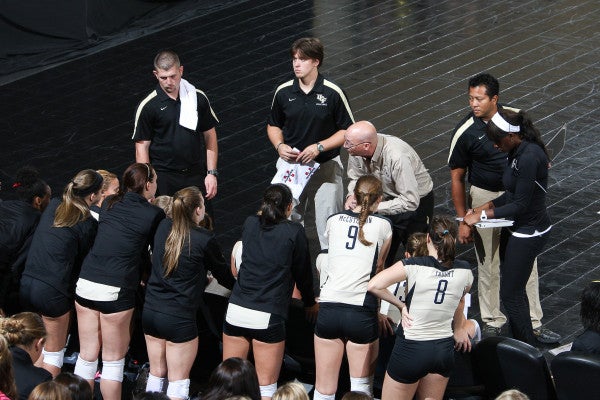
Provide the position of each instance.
(37, 33)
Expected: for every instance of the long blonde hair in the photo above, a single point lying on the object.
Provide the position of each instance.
(185, 202)
(73, 207)
(367, 192)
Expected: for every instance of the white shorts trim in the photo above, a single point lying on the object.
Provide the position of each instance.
(247, 318)
(96, 291)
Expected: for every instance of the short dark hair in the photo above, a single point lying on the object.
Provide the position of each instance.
(310, 47)
(166, 59)
(28, 184)
(492, 86)
(590, 306)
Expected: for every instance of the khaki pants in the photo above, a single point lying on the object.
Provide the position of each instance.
(487, 249)
(322, 197)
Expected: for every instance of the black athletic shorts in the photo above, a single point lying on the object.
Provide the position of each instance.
(347, 322)
(125, 301)
(174, 328)
(42, 298)
(274, 333)
(411, 360)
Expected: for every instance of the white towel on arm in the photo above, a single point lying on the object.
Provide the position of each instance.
(188, 115)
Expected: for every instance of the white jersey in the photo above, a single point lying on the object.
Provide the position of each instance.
(350, 264)
(434, 292)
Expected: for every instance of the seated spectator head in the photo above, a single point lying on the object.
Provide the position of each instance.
(151, 396)
(80, 389)
(166, 203)
(25, 330)
(50, 391)
(416, 245)
(590, 306)
(233, 377)
(276, 205)
(512, 394)
(7, 376)
(110, 185)
(355, 395)
(291, 391)
(31, 189)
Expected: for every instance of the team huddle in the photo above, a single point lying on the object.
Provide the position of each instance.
(106, 240)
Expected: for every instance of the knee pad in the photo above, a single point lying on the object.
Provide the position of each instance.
(54, 357)
(113, 370)
(364, 384)
(154, 383)
(268, 390)
(320, 396)
(86, 369)
(179, 389)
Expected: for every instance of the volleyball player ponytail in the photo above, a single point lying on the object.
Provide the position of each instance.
(185, 202)
(442, 233)
(73, 207)
(276, 200)
(368, 191)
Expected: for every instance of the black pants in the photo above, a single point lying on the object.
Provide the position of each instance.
(405, 224)
(516, 262)
(170, 182)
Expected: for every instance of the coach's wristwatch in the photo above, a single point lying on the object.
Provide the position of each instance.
(320, 147)
(213, 172)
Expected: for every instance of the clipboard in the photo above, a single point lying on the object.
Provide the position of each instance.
(494, 223)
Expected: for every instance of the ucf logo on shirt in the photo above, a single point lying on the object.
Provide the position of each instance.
(322, 100)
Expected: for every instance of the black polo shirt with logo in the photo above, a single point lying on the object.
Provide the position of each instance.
(309, 118)
(471, 149)
(173, 147)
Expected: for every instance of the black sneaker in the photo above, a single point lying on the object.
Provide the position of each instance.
(544, 335)
(489, 330)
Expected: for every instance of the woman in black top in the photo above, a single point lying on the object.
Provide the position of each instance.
(183, 253)
(18, 220)
(63, 237)
(526, 181)
(110, 275)
(275, 256)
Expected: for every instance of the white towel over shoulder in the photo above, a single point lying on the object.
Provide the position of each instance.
(188, 115)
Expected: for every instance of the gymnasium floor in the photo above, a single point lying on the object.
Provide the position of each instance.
(404, 66)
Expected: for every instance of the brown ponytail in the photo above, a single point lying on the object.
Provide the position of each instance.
(73, 207)
(367, 191)
(442, 232)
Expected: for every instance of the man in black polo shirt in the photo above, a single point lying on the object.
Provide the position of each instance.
(472, 153)
(175, 131)
(308, 119)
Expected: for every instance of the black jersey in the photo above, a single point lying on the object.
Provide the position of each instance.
(274, 257)
(472, 150)
(173, 147)
(18, 221)
(56, 254)
(306, 118)
(180, 293)
(125, 231)
(526, 180)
